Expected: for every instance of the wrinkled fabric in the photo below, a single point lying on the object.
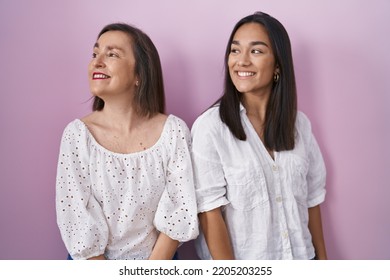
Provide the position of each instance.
(265, 201)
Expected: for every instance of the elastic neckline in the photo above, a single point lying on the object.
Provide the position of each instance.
(134, 154)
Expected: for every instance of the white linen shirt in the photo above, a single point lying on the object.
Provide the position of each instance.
(265, 201)
(117, 204)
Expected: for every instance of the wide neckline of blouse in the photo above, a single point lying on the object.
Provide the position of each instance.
(134, 154)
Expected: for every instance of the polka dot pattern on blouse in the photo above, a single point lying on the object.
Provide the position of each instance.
(117, 204)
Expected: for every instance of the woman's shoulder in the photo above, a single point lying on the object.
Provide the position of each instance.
(91, 120)
(175, 120)
(303, 122)
(74, 136)
(157, 123)
(208, 120)
(75, 126)
(176, 125)
(304, 128)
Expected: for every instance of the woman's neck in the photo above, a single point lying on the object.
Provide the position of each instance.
(255, 106)
(120, 117)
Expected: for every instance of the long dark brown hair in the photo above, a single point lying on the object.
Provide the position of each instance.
(279, 129)
(149, 96)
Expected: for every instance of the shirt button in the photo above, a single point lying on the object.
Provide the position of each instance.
(278, 199)
(275, 168)
(285, 235)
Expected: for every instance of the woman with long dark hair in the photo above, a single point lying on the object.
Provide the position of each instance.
(259, 173)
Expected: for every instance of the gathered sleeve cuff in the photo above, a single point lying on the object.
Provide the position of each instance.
(79, 216)
(176, 214)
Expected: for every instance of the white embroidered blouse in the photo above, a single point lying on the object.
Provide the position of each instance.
(117, 204)
(265, 201)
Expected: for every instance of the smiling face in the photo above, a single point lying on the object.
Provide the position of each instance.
(251, 61)
(112, 68)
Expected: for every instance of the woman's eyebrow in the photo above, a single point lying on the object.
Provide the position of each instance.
(113, 47)
(254, 43)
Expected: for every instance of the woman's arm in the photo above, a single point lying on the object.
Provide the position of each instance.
(165, 248)
(80, 217)
(101, 257)
(216, 234)
(315, 227)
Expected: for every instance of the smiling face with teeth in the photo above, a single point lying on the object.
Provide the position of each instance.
(111, 70)
(251, 61)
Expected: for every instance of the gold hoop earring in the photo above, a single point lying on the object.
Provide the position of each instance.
(276, 77)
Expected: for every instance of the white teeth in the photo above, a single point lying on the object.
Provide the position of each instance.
(100, 76)
(245, 74)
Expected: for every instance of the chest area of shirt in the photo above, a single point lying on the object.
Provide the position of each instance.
(251, 159)
(122, 179)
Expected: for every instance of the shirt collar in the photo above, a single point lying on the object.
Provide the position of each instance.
(242, 108)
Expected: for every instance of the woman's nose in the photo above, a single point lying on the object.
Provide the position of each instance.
(99, 61)
(243, 60)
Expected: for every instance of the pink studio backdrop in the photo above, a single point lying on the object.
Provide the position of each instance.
(342, 66)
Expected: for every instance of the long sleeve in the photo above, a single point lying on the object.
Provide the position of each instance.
(176, 214)
(79, 216)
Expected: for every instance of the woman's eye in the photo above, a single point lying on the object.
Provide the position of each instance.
(112, 54)
(256, 51)
(233, 51)
(94, 55)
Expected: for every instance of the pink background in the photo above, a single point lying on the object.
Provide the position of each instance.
(341, 54)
